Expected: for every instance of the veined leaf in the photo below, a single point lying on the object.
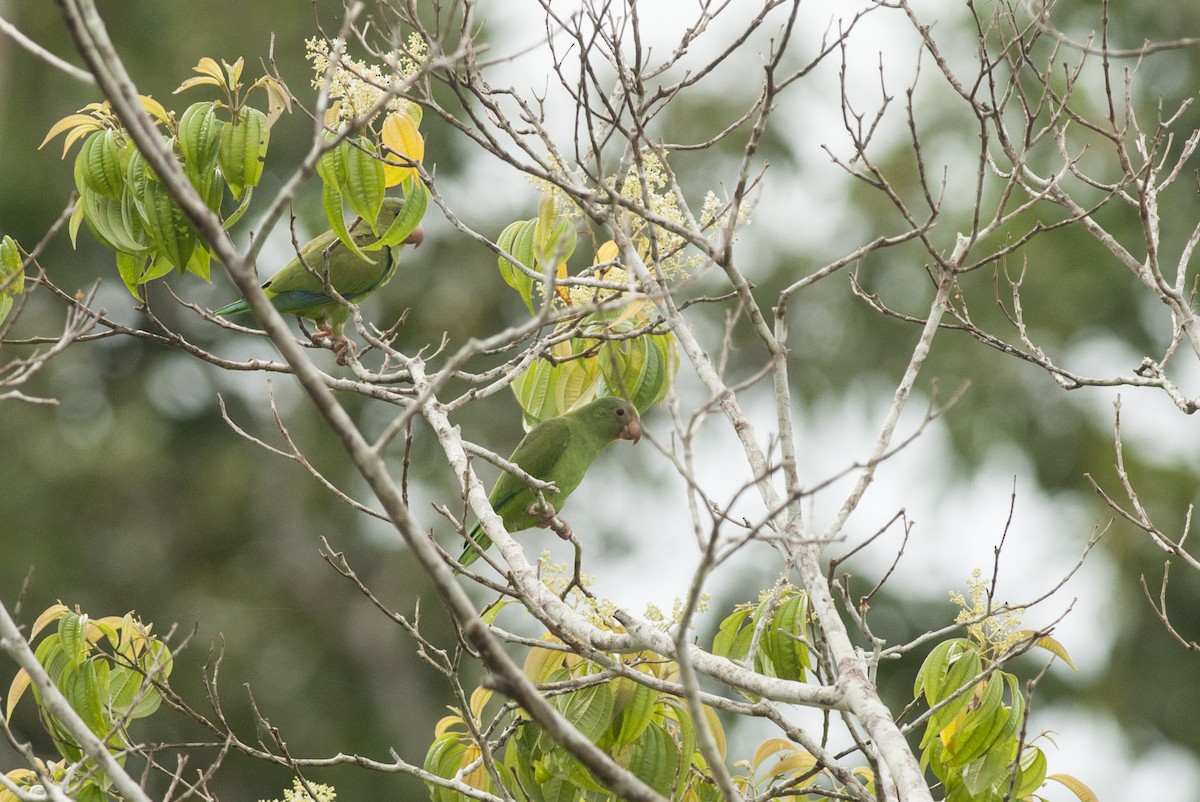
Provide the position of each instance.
(167, 226)
(200, 136)
(1049, 644)
(728, 640)
(100, 164)
(655, 759)
(363, 186)
(589, 709)
(243, 149)
(636, 714)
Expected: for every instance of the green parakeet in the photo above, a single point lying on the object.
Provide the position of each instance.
(294, 289)
(558, 450)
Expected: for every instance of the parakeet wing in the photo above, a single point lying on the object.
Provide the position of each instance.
(295, 289)
(538, 454)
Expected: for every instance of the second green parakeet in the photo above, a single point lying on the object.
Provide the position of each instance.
(558, 450)
(294, 289)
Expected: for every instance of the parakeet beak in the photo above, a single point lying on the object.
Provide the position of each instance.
(632, 431)
(417, 237)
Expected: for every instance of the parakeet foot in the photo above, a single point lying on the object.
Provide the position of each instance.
(342, 345)
(548, 519)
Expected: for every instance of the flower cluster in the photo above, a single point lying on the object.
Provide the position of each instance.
(659, 619)
(299, 792)
(363, 90)
(646, 185)
(995, 631)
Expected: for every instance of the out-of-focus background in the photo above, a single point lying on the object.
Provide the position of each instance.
(133, 494)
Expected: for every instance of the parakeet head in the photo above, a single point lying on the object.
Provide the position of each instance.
(387, 215)
(614, 416)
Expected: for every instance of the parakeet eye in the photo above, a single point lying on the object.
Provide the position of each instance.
(620, 412)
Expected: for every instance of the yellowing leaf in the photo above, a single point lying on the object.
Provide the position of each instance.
(234, 71)
(541, 663)
(195, 81)
(796, 763)
(154, 108)
(78, 124)
(714, 726)
(444, 724)
(1049, 644)
(48, 616)
(210, 67)
(606, 252)
(278, 99)
(1076, 787)
(402, 143)
(770, 747)
(479, 699)
(15, 691)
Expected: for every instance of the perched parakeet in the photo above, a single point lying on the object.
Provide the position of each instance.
(558, 450)
(294, 289)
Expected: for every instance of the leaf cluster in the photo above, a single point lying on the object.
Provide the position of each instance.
(974, 737)
(109, 670)
(608, 342)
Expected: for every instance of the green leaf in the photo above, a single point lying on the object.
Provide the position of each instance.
(201, 262)
(199, 136)
(100, 163)
(416, 201)
(167, 226)
(545, 390)
(445, 758)
(331, 166)
(655, 759)
(72, 634)
(950, 665)
(783, 643)
(86, 691)
(12, 276)
(331, 200)
(124, 684)
(726, 643)
(680, 725)
(554, 235)
(589, 709)
(636, 715)
(363, 187)
(1031, 773)
(106, 220)
(131, 267)
(942, 679)
(243, 149)
(518, 241)
(981, 732)
(241, 209)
